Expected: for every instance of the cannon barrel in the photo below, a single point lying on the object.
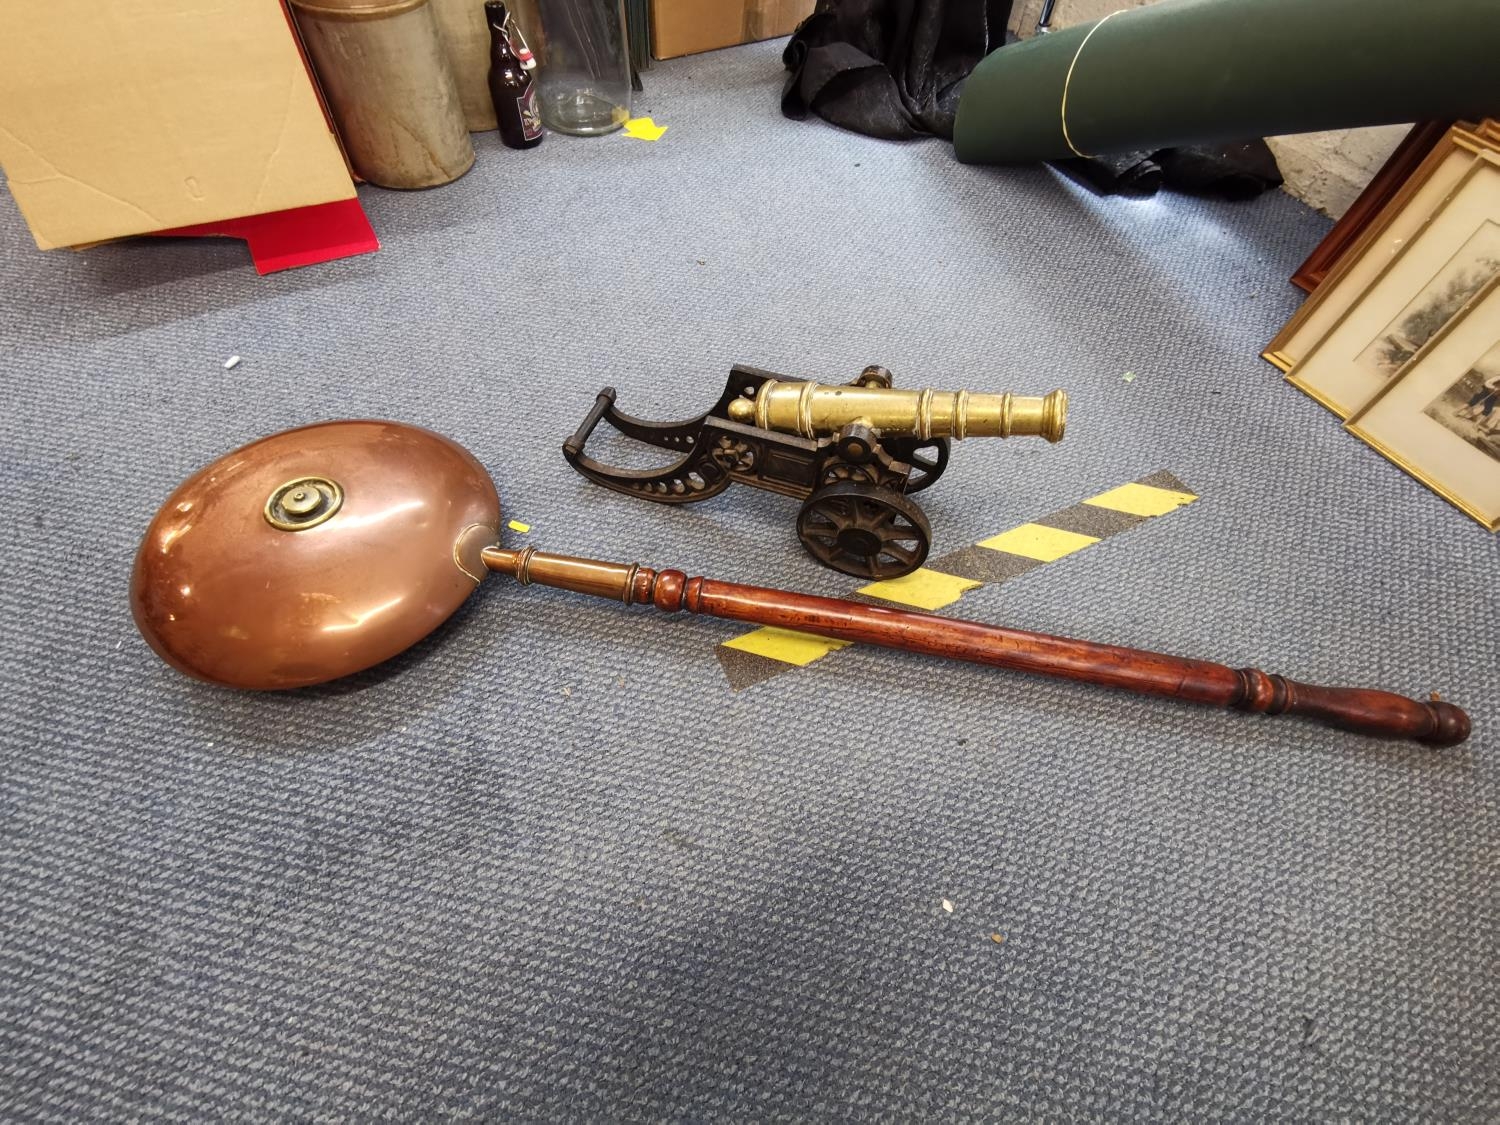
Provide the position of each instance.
(815, 409)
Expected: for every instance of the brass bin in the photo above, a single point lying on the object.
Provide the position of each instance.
(386, 74)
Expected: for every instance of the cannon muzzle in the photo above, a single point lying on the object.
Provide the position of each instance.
(815, 409)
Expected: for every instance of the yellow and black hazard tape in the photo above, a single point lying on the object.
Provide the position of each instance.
(756, 656)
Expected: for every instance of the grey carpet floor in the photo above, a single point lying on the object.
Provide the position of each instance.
(549, 865)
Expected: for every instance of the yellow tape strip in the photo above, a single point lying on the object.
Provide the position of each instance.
(1141, 500)
(930, 589)
(922, 588)
(785, 645)
(1036, 541)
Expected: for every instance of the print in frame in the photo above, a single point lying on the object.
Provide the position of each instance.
(1439, 419)
(1358, 268)
(1443, 265)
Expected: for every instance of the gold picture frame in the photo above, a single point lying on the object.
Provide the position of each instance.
(1439, 268)
(1439, 419)
(1423, 193)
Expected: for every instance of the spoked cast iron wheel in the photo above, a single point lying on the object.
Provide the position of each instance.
(864, 531)
(928, 457)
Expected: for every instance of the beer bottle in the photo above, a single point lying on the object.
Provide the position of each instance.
(512, 86)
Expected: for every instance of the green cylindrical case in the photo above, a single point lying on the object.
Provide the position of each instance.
(1194, 71)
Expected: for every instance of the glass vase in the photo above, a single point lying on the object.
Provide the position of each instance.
(583, 66)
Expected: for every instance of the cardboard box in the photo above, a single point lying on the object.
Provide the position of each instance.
(686, 27)
(122, 119)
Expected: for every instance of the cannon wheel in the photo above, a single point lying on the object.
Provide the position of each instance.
(928, 457)
(864, 531)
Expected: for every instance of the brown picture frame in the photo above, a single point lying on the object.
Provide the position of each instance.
(1382, 188)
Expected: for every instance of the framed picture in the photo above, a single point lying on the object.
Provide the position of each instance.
(1446, 262)
(1437, 176)
(1440, 418)
(1386, 184)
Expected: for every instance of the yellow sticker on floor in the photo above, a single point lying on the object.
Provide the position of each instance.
(1037, 541)
(644, 129)
(1141, 500)
(922, 589)
(786, 645)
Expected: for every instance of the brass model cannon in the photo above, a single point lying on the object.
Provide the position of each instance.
(853, 454)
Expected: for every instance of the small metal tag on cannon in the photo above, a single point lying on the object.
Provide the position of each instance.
(853, 454)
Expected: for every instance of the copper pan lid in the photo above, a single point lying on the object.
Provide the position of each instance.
(313, 553)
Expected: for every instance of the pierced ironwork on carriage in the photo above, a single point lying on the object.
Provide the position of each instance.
(853, 454)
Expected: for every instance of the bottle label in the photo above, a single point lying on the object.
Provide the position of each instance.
(531, 120)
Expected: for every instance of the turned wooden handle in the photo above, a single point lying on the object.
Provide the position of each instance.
(1363, 710)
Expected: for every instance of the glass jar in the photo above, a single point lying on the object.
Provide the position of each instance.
(583, 65)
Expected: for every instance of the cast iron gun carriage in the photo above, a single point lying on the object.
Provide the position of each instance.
(853, 455)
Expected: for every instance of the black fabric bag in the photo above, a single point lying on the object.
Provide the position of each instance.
(895, 69)
(889, 68)
(1238, 170)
